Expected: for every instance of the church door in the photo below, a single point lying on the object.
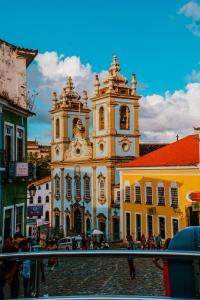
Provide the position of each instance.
(67, 224)
(116, 236)
(77, 222)
(88, 226)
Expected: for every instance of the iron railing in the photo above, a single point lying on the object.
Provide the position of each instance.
(37, 256)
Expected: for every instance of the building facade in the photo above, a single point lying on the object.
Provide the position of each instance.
(39, 199)
(85, 183)
(14, 112)
(37, 151)
(160, 191)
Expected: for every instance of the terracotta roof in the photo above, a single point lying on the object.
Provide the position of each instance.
(184, 152)
(147, 148)
(39, 182)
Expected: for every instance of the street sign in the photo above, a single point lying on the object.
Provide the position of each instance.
(21, 169)
(31, 221)
(35, 211)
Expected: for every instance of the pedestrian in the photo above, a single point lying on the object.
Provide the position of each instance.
(150, 242)
(131, 246)
(164, 268)
(83, 243)
(158, 241)
(26, 269)
(52, 260)
(143, 242)
(9, 271)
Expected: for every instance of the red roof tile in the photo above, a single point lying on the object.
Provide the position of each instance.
(184, 152)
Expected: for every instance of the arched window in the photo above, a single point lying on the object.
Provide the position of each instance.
(102, 193)
(149, 193)
(101, 118)
(74, 122)
(68, 187)
(57, 187)
(47, 199)
(57, 128)
(138, 197)
(124, 117)
(161, 194)
(77, 187)
(86, 187)
(127, 193)
(47, 216)
(39, 199)
(174, 194)
(47, 186)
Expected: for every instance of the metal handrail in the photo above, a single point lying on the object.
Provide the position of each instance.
(108, 298)
(100, 253)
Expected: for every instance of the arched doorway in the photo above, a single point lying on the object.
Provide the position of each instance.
(88, 226)
(67, 224)
(102, 222)
(77, 222)
(116, 235)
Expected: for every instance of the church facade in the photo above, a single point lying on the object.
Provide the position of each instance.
(85, 182)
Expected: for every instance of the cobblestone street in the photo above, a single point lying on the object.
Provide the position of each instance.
(79, 276)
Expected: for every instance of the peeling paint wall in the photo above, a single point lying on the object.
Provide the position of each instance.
(12, 75)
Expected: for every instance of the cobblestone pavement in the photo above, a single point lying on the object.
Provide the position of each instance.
(101, 276)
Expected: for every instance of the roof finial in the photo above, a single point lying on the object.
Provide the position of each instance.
(177, 137)
(69, 86)
(96, 85)
(84, 98)
(115, 67)
(54, 100)
(133, 85)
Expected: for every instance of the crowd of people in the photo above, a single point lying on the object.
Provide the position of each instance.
(152, 243)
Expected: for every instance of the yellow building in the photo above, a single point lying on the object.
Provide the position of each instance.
(157, 190)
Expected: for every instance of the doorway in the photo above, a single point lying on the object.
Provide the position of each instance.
(116, 236)
(77, 222)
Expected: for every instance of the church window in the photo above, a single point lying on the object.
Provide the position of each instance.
(124, 118)
(57, 187)
(57, 128)
(102, 193)
(101, 119)
(77, 188)
(74, 122)
(86, 187)
(68, 187)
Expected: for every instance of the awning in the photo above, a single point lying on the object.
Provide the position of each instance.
(195, 196)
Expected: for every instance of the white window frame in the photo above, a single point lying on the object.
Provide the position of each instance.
(127, 185)
(12, 215)
(148, 184)
(160, 184)
(23, 142)
(19, 205)
(137, 184)
(161, 216)
(147, 224)
(174, 218)
(127, 212)
(173, 185)
(138, 213)
(7, 124)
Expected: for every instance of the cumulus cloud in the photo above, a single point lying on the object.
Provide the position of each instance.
(163, 117)
(192, 10)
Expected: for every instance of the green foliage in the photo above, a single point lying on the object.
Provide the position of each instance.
(43, 168)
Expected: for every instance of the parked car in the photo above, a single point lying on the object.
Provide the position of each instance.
(67, 242)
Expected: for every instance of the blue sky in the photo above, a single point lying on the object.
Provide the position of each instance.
(158, 40)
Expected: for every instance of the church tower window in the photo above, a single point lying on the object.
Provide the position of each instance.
(74, 122)
(57, 187)
(86, 187)
(57, 128)
(69, 187)
(102, 193)
(77, 181)
(101, 119)
(124, 118)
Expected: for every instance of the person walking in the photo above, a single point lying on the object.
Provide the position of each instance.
(26, 269)
(9, 271)
(150, 242)
(143, 242)
(131, 264)
(164, 268)
(158, 241)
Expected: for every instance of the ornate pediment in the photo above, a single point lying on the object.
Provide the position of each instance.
(78, 148)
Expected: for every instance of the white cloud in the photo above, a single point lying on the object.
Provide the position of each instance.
(162, 117)
(192, 10)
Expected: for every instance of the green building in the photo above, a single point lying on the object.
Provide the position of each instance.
(15, 172)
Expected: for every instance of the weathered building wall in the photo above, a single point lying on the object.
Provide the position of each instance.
(12, 75)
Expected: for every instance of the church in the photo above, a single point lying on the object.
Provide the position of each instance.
(85, 182)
